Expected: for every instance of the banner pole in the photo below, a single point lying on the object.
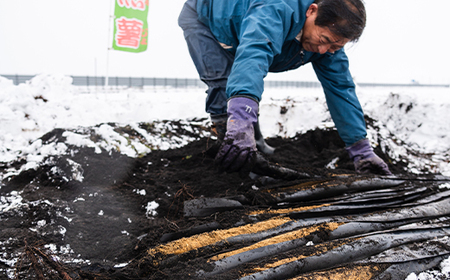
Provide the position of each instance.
(108, 49)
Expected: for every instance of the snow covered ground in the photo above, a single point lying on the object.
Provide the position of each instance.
(408, 119)
(410, 123)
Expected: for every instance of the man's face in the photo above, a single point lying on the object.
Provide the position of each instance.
(319, 39)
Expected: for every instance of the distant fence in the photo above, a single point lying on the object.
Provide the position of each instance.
(18, 79)
(182, 83)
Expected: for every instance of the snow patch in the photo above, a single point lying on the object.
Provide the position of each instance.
(151, 209)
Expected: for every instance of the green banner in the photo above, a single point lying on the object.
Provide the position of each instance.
(130, 25)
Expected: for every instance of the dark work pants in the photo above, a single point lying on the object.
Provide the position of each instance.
(213, 63)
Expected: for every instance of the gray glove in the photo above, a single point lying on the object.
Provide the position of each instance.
(365, 160)
(238, 150)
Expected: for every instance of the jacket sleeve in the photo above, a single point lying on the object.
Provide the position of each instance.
(333, 73)
(262, 33)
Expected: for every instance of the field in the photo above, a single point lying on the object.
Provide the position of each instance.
(170, 214)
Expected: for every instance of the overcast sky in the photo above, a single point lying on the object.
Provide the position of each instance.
(404, 40)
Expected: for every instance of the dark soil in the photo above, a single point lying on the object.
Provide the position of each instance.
(104, 218)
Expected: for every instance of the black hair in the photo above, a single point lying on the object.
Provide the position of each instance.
(345, 18)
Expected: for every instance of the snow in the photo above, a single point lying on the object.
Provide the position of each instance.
(151, 209)
(433, 274)
(140, 192)
(12, 201)
(410, 118)
(412, 123)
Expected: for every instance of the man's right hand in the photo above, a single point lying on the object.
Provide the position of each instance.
(365, 160)
(238, 150)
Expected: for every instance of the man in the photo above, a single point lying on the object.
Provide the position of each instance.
(235, 43)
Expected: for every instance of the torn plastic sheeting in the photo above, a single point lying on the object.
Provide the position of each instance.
(375, 182)
(433, 178)
(347, 253)
(402, 270)
(378, 195)
(345, 230)
(430, 210)
(328, 190)
(358, 206)
(349, 209)
(207, 206)
(412, 251)
(351, 229)
(233, 261)
(368, 223)
(265, 168)
(432, 198)
(371, 221)
(289, 226)
(192, 231)
(381, 196)
(389, 219)
(373, 194)
(358, 228)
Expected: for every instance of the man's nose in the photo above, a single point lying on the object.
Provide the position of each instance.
(324, 48)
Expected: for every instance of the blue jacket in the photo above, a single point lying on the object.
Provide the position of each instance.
(261, 35)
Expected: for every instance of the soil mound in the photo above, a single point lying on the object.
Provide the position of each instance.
(171, 214)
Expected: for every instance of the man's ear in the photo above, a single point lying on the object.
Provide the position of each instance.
(312, 10)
